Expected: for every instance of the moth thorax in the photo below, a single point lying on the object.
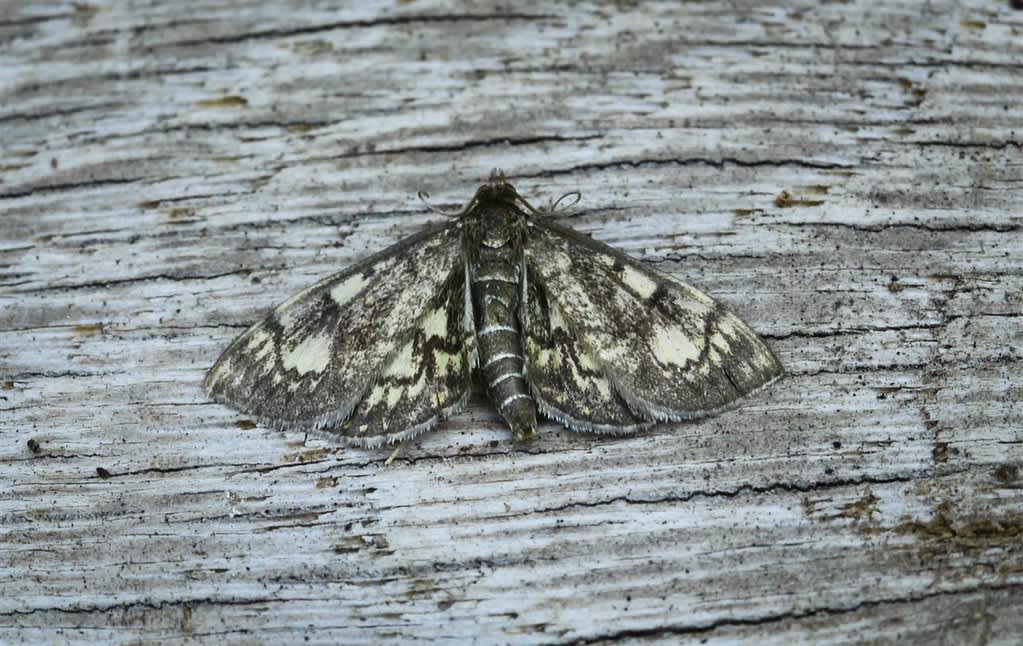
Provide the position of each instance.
(498, 227)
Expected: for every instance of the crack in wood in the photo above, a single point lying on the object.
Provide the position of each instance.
(788, 616)
(354, 24)
(721, 162)
(790, 487)
(104, 284)
(954, 227)
(39, 116)
(853, 330)
(70, 186)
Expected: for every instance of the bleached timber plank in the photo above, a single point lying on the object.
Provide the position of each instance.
(166, 175)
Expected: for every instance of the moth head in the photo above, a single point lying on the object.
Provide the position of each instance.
(495, 214)
(497, 189)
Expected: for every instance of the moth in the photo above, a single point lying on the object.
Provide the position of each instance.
(557, 323)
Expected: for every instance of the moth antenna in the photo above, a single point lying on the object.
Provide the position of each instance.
(557, 203)
(529, 208)
(424, 197)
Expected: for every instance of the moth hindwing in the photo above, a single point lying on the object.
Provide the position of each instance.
(555, 322)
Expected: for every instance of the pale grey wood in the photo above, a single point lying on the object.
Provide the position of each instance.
(169, 173)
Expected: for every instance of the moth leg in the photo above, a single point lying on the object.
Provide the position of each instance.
(394, 454)
(525, 435)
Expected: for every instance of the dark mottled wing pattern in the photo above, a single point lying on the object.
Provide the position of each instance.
(566, 378)
(312, 360)
(668, 350)
(427, 379)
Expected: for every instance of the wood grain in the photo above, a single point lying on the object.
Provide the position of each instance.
(847, 177)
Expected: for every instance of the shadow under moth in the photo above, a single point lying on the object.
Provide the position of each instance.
(556, 322)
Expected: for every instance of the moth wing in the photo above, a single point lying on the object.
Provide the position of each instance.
(312, 359)
(670, 351)
(427, 379)
(566, 378)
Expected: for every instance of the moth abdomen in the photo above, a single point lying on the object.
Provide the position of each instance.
(496, 281)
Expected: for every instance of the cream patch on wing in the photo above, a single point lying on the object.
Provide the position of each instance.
(404, 364)
(674, 345)
(637, 281)
(436, 323)
(394, 395)
(574, 300)
(764, 360)
(537, 355)
(562, 261)
(697, 310)
(261, 345)
(417, 388)
(347, 290)
(543, 359)
(542, 356)
(311, 355)
(719, 341)
(376, 395)
(594, 379)
(467, 318)
(221, 370)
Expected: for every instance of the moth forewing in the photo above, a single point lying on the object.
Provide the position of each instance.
(426, 380)
(311, 361)
(671, 352)
(566, 378)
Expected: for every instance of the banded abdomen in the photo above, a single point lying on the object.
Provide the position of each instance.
(496, 283)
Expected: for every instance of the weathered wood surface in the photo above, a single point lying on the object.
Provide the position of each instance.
(168, 174)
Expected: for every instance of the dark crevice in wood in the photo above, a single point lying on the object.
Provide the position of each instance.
(996, 145)
(864, 369)
(37, 116)
(129, 75)
(682, 258)
(854, 123)
(52, 188)
(404, 460)
(151, 605)
(178, 469)
(69, 374)
(47, 454)
(856, 331)
(795, 487)
(789, 616)
(103, 284)
(952, 227)
(688, 161)
(973, 315)
(231, 126)
(35, 20)
(352, 24)
(458, 147)
(947, 64)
